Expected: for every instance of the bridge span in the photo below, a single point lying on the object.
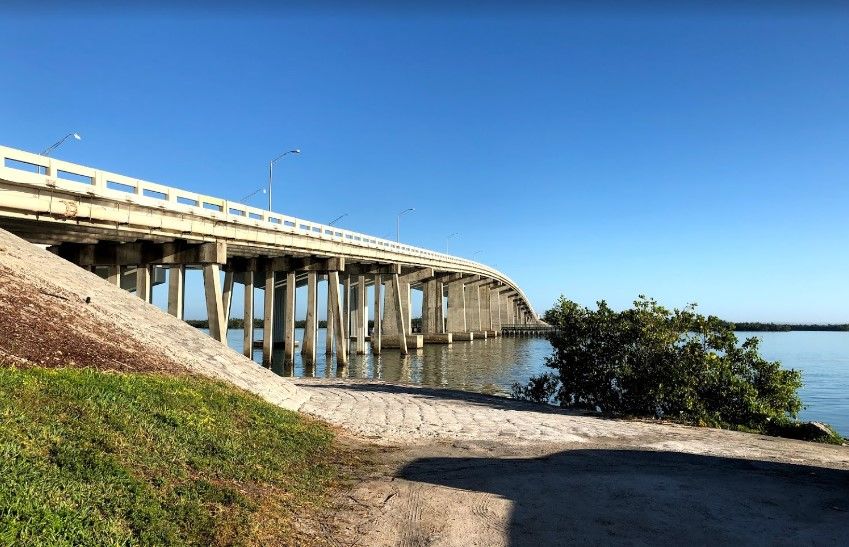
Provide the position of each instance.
(131, 231)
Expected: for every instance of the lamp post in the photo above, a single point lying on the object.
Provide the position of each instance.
(340, 217)
(448, 239)
(271, 171)
(60, 142)
(398, 223)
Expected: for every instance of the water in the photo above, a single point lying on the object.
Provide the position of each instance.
(492, 366)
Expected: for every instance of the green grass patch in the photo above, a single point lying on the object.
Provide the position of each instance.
(92, 458)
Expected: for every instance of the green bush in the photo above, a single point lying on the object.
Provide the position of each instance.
(650, 361)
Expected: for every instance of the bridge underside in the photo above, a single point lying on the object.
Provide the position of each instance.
(122, 236)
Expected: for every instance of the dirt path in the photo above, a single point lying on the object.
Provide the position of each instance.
(494, 494)
(458, 468)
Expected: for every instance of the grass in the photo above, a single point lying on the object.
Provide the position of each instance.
(92, 458)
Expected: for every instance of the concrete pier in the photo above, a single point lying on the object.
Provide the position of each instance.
(335, 300)
(376, 340)
(268, 317)
(214, 301)
(411, 341)
(289, 322)
(176, 285)
(248, 339)
(438, 338)
(311, 323)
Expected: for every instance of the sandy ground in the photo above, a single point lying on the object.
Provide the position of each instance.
(454, 468)
(492, 494)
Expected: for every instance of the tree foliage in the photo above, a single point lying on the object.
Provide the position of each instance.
(673, 364)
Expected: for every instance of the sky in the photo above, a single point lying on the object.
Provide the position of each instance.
(691, 155)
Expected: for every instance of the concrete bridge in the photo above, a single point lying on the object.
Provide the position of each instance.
(131, 231)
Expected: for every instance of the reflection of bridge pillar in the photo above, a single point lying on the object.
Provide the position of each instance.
(311, 326)
(176, 284)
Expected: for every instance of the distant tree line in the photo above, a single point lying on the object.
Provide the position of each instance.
(784, 327)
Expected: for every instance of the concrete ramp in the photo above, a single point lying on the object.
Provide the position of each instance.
(55, 314)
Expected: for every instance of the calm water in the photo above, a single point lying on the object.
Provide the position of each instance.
(491, 366)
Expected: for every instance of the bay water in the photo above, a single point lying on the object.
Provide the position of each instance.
(493, 365)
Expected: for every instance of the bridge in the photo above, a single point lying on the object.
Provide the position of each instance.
(131, 231)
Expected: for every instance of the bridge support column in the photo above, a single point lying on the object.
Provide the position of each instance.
(473, 308)
(328, 340)
(278, 327)
(400, 325)
(311, 326)
(176, 284)
(289, 324)
(361, 319)
(456, 308)
(378, 324)
(485, 310)
(495, 309)
(268, 317)
(248, 349)
(143, 282)
(227, 298)
(214, 302)
(346, 307)
(432, 322)
(114, 276)
(338, 322)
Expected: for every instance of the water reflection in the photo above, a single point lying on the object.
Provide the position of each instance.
(487, 366)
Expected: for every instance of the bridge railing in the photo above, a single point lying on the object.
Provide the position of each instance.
(44, 170)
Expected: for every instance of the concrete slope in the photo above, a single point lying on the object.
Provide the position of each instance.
(45, 320)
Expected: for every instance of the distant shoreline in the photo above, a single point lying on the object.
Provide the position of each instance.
(788, 327)
(739, 327)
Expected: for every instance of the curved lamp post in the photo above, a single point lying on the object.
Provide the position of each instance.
(60, 142)
(271, 171)
(340, 217)
(398, 223)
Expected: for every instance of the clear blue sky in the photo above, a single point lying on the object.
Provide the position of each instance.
(688, 155)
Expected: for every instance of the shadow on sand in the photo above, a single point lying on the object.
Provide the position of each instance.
(643, 497)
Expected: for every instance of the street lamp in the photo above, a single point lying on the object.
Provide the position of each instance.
(340, 217)
(474, 254)
(252, 194)
(61, 142)
(271, 171)
(398, 223)
(447, 239)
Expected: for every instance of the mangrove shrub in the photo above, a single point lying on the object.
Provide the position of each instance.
(655, 362)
